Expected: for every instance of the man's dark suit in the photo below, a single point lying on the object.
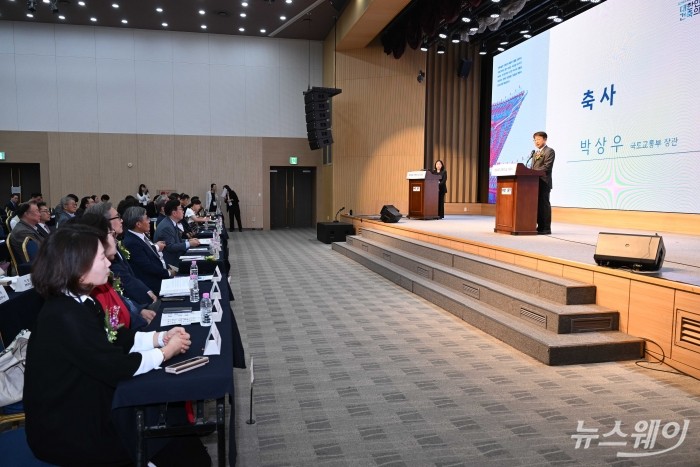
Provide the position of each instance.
(134, 288)
(21, 231)
(145, 262)
(544, 161)
(175, 246)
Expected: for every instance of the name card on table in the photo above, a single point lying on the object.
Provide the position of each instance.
(215, 292)
(217, 275)
(500, 170)
(218, 312)
(22, 283)
(213, 342)
(3, 295)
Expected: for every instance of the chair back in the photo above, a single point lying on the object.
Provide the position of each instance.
(30, 247)
(13, 260)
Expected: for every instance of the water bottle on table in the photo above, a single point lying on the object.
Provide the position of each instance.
(194, 269)
(205, 306)
(194, 288)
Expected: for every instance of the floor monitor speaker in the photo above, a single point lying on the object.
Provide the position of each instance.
(390, 214)
(637, 252)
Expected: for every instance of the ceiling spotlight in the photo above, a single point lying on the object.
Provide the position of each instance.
(159, 10)
(283, 18)
(30, 15)
(466, 18)
(241, 29)
(474, 28)
(61, 17)
(201, 12)
(455, 38)
(500, 48)
(424, 46)
(527, 36)
(244, 4)
(504, 39)
(31, 6)
(263, 31)
(115, 5)
(556, 15)
(243, 15)
(81, 3)
(442, 34)
(288, 1)
(482, 49)
(441, 49)
(525, 28)
(204, 26)
(165, 25)
(495, 12)
(495, 1)
(93, 19)
(125, 21)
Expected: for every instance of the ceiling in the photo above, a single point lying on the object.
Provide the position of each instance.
(303, 19)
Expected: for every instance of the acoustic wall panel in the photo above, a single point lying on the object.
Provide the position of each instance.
(262, 101)
(8, 92)
(116, 96)
(226, 50)
(191, 110)
(154, 97)
(77, 94)
(75, 41)
(153, 45)
(37, 101)
(228, 100)
(190, 47)
(114, 43)
(7, 40)
(30, 39)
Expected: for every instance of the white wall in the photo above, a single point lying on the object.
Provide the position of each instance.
(110, 80)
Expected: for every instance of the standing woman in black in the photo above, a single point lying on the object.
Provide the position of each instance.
(440, 170)
(234, 209)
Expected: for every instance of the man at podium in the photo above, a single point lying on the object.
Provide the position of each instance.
(543, 159)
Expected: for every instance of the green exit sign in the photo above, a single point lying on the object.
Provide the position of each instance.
(293, 160)
(2, 155)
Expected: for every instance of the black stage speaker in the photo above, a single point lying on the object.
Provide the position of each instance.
(317, 104)
(637, 252)
(390, 214)
(464, 67)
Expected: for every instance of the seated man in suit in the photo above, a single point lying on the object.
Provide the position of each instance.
(133, 287)
(144, 256)
(28, 214)
(70, 206)
(168, 232)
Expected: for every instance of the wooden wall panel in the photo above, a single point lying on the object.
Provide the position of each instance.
(54, 166)
(79, 160)
(613, 292)
(117, 179)
(192, 157)
(378, 128)
(27, 147)
(651, 315)
(156, 163)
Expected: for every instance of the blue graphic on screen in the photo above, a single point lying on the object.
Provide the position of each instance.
(618, 101)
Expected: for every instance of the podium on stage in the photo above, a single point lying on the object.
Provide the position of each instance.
(516, 198)
(423, 190)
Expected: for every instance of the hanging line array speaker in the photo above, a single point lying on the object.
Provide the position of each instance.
(317, 103)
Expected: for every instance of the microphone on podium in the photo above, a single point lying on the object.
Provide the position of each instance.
(532, 154)
(336, 214)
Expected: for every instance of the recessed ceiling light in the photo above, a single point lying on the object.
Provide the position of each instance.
(159, 10)
(61, 17)
(288, 1)
(115, 5)
(244, 4)
(125, 21)
(45, 1)
(81, 3)
(201, 12)
(165, 25)
(263, 31)
(241, 29)
(29, 15)
(204, 26)
(283, 18)
(243, 15)
(93, 19)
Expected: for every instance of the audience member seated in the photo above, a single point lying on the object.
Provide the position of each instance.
(44, 218)
(144, 256)
(75, 358)
(167, 231)
(29, 216)
(69, 205)
(13, 203)
(85, 202)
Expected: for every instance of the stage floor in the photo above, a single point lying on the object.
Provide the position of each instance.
(572, 242)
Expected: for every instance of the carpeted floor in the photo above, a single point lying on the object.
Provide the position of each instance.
(351, 369)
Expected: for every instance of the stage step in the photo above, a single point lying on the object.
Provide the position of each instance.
(556, 289)
(553, 316)
(528, 336)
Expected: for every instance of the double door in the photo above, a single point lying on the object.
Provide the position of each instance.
(292, 197)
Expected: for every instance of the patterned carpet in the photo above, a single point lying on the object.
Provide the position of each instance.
(350, 369)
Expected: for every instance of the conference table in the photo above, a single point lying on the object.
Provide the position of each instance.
(141, 400)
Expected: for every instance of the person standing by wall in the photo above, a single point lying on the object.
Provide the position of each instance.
(442, 172)
(232, 205)
(212, 204)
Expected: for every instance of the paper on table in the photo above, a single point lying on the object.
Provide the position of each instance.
(204, 241)
(172, 319)
(175, 287)
(192, 258)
